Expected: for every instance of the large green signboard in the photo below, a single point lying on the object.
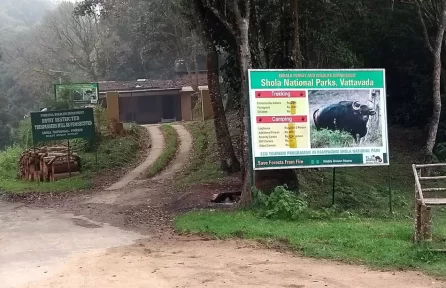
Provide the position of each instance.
(80, 93)
(318, 118)
(63, 124)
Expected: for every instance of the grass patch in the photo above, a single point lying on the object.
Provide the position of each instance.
(171, 144)
(203, 167)
(325, 138)
(378, 243)
(111, 153)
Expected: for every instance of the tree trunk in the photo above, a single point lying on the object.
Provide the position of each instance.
(296, 52)
(435, 49)
(245, 64)
(194, 52)
(435, 119)
(228, 160)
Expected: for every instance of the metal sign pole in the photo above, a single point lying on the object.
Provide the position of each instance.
(334, 186)
(390, 191)
(248, 111)
(35, 165)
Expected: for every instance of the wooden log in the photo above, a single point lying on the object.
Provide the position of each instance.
(64, 175)
(63, 168)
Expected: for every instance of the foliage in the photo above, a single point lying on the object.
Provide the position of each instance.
(109, 153)
(280, 204)
(203, 167)
(171, 144)
(378, 243)
(23, 134)
(330, 139)
(8, 162)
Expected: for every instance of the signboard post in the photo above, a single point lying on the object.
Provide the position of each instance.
(318, 118)
(78, 93)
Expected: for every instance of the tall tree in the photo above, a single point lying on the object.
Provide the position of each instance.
(206, 24)
(435, 12)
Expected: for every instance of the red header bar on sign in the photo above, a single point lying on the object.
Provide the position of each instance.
(281, 119)
(280, 94)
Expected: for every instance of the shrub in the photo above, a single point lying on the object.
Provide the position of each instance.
(280, 204)
(330, 139)
(9, 162)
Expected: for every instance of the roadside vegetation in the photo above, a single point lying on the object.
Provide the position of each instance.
(377, 242)
(171, 144)
(110, 152)
(203, 167)
(358, 228)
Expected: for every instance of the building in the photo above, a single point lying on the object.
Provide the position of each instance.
(148, 101)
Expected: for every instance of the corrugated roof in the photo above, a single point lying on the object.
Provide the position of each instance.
(143, 84)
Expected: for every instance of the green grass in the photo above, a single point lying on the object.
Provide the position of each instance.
(330, 139)
(203, 167)
(378, 243)
(358, 229)
(171, 144)
(112, 153)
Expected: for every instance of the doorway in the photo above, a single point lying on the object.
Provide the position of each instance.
(169, 103)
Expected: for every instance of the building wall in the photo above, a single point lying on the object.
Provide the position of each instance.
(207, 111)
(186, 105)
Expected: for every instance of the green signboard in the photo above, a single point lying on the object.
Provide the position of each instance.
(63, 124)
(79, 93)
(318, 118)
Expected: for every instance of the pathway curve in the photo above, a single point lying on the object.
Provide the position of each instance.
(182, 156)
(157, 147)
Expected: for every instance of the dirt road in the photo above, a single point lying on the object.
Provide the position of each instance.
(123, 238)
(42, 248)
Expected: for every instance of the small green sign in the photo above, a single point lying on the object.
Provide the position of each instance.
(63, 125)
(79, 93)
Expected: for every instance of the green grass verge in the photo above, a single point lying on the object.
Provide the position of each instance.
(203, 167)
(171, 144)
(112, 153)
(378, 243)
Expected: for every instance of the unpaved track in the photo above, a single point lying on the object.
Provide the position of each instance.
(181, 157)
(150, 192)
(41, 247)
(186, 263)
(157, 142)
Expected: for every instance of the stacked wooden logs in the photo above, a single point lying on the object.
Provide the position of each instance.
(48, 164)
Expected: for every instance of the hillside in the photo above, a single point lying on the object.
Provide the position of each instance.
(18, 15)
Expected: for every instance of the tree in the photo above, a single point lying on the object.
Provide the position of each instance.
(435, 12)
(204, 21)
(72, 39)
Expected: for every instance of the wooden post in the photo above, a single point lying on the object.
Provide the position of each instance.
(69, 159)
(426, 217)
(417, 234)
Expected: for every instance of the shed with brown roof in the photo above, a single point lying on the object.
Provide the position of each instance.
(147, 101)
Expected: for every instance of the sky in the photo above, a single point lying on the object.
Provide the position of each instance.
(58, 1)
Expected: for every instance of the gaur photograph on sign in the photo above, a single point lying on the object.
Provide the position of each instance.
(345, 118)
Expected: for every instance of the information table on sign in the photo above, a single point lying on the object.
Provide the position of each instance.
(282, 119)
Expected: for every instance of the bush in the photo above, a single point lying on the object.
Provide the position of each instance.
(330, 139)
(280, 204)
(9, 162)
